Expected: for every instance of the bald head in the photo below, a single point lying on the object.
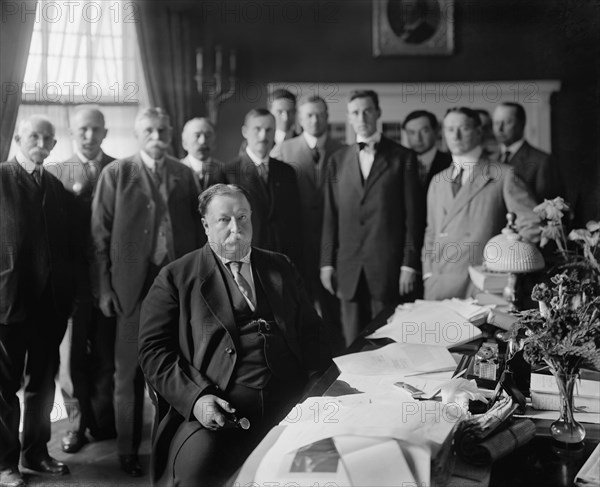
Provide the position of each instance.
(88, 131)
(198, 138)
(35, 138)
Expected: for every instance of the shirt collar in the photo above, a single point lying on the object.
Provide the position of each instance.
(26, 164)
(468, 159)
(374, 138)
(428, 156)
(313, 141)
(196, 163)
(257, 160)
(148, 161)
(85, 160)
(512, 148)
(245, 259)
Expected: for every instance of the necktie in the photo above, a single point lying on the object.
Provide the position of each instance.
(367, 147)
(262, 172)
(37, 177)
(457, 182)
(506, 157)
(241, 282)
(316, 155)
(157, 173)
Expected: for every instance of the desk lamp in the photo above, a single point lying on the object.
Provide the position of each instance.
(508, 253)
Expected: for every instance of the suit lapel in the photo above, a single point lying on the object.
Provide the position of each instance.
(272, 284)
(353, 162)
(213, 290)
(145, 185)
(480, 176)
(380, 165)
(172, 177)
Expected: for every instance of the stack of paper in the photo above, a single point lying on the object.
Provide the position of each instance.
(445, 323)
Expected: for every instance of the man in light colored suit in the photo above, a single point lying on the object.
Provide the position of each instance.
(466, 206)
(373, 220)
(92, 340)
(534, 166)
(308, 154)
(143, 217)
(198, 139)
(283, 108)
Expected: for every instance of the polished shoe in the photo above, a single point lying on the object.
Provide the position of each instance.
(74, 441)
(46, 465)
(11, 477)
(130, 465)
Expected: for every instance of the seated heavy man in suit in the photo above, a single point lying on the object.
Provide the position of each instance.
(532, 165)
(373, 220)
(422, 129)
(92, 340)
(198, 139)
(225, 329)
(466, 206)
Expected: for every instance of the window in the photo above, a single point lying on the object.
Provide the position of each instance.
(85, 53)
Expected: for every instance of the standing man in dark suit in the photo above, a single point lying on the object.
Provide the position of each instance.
(422, 128)
(92, 341)
(308, 154)
(467, 206)
(226, 329)
(36, 291)
(198, 139)
(532, 165)
(373, 220)
(272, 187)
(143, 217)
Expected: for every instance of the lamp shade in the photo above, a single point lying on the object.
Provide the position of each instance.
(508, 253)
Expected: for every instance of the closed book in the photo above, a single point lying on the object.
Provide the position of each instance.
(551, 402)
(486, 280)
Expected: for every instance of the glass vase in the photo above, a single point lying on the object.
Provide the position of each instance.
(565, 429)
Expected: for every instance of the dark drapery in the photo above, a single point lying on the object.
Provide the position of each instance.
(16, 27)
(167, 54)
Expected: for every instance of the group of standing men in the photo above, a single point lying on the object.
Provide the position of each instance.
(369, 224)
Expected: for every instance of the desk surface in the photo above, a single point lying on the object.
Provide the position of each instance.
(539, 463)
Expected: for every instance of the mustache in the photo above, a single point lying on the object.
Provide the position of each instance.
(39, 152)
(158, 144)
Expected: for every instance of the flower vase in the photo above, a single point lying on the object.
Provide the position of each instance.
(565, 429)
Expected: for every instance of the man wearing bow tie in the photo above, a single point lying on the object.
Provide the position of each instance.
(272, 186)
(92, 341)
(36, 291)
(373, 220)
(143, 217)
(227, 329)
(466, 206)
(198, 139)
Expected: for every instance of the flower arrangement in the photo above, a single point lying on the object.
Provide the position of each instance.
(565, 332)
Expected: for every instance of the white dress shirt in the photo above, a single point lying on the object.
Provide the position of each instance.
(366, 157)
(149, 162)
(466, 162)
(26, 164)
(512, 149)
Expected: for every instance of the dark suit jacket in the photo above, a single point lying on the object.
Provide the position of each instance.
(537, 169)
(440, 162)
(189, 341)
(23, 273)
(77, 179)
(375, 228)
(124, 223)
(276, 214)
(311, 183)
(213, 174)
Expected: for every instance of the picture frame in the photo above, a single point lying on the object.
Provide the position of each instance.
(413, 27)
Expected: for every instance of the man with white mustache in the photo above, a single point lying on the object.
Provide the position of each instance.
(36, 291)
(143, 217)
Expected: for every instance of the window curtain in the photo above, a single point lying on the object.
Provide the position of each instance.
(17, 23)
(167, 54)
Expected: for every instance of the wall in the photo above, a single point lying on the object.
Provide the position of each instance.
(330, 41)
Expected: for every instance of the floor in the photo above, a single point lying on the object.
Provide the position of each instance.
(96, 464)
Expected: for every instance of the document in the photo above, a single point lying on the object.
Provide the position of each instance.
(397, 359)
(433, 323)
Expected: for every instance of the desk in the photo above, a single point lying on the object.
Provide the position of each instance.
(538, 463)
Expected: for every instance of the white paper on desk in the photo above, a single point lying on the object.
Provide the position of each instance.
(384, 384)
(593, 418)
(421, 423)
(397, 358)
(428, 322)
(379, 462)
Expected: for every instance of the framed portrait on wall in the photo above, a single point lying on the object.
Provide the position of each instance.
(413, 27)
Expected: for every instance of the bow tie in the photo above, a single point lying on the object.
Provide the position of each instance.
(370, 147)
